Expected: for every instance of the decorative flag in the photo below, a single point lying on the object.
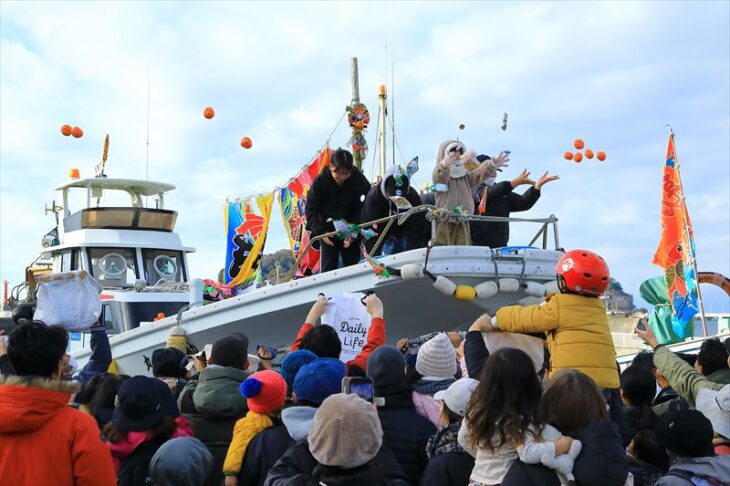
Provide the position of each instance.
(246, 238)
(676, 250)
(293, 200)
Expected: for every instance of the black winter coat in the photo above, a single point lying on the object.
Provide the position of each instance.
(216, 434)
(501, 201)
(603, 458)
(327, 200)
(406, 433)
(262, 452)
(299, 467)
(452, 468)
(475, 353)
(634, 419)
(377, 206)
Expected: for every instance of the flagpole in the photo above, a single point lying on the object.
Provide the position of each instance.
(689, 239)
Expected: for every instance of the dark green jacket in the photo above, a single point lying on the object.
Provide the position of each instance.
(216, 393)
(685, 380)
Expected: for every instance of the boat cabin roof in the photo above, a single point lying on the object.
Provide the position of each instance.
(143, 188)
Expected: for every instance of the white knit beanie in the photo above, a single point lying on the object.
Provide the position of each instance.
(437, 358)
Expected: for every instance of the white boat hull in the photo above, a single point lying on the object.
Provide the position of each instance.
(273, 315)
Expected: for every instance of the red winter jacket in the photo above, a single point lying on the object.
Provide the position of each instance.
(376, 338)
(44, 441)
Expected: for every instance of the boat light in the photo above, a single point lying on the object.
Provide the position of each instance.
(74, 174)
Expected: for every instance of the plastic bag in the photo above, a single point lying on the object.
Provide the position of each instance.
(69, 300)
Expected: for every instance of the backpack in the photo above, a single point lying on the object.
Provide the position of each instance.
(694, 479)
(134, 469)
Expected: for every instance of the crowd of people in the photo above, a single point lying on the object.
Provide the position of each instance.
(464, 183)
(445, 410)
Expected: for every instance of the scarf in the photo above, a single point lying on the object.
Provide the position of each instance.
(427, 387)
(444, 441)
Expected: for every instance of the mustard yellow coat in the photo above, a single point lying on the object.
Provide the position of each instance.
(578, 335)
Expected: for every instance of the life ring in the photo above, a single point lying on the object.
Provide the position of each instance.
(715, 278)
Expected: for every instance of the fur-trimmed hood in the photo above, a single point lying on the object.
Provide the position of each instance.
(28, 403)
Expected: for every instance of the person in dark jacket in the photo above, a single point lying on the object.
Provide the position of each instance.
(498, 199)
(380, 203)
(667, 399)
(687, 435)
(448, 462)
(405, 432)
(574, 404)
(313, 383)
(712, 361)
(168, 367)
(213, 402)
(345, 447)
(184, 461)
(648, 460)
(637, 392)
(336, 193)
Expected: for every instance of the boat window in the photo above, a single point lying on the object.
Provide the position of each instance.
(165, 265)
(113, 267)
(70, 260)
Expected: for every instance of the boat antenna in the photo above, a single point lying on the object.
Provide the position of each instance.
(392, 108)
(99, 170)
(147, 162)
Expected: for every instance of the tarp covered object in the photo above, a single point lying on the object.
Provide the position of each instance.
(654, 291)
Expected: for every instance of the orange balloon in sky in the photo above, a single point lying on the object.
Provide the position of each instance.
(77, 132)
(578, 143)
(601, 156)
(589, 153)
(209, 112)
(66, 130)
(568, 155)
(246, 143)
(578, 157)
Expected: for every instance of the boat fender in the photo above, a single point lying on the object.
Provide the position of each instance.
(534, 289)
(411, 271)
(509, 285)
(551, 287)
(444, 285)
(465, 292)
(486, 290)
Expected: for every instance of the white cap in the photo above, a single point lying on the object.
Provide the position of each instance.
(715, 405)
(457, 395)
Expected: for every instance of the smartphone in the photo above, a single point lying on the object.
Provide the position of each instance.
(360, 386)
(641, 324)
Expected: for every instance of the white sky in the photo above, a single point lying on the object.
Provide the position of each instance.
(611, 73)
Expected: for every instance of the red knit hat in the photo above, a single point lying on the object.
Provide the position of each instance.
(265, 391)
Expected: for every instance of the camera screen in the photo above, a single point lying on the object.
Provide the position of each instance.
(363, 390)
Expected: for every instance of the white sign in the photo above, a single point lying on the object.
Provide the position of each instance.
(349, 317)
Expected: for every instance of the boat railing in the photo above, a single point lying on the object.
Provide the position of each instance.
(438, 216)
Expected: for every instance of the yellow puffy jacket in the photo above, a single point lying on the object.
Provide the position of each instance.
(578, 335)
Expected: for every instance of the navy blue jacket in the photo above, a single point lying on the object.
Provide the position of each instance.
(475, 353)
(406, 433)
(452, 468)
(262, 452)
(603, 458)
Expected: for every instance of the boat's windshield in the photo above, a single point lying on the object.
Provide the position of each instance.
(113, 267)
(166, 265)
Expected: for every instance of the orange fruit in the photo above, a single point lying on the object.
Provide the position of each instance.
(246, 143)
(578, 157)
(208, 112)
(77, 132)
(66, 130)
(589, 153)
(568, 155)
(601, 156)
(578, 143)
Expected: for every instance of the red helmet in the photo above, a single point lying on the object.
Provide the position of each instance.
(583, 272)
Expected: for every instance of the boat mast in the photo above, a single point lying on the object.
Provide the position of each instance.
(382, 109)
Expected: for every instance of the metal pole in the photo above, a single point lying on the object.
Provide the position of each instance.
(689, 241)
(354, 80)
(382, 107)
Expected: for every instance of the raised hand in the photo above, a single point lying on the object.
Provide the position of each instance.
(501, 160)
(544, 179)
(522, 179)
(317, 310)
(374, 305)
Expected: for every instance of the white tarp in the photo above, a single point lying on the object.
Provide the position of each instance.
(531, 345)
(349, 317)
(69, 300)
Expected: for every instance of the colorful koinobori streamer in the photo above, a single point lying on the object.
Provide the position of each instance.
(676, 251)
(293, 200)
(246, 236)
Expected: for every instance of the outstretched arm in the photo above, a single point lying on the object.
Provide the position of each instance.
(313, 316)
(376, 333)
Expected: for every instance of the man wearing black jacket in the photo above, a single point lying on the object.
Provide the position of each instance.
(498, 199)
(336, 193)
